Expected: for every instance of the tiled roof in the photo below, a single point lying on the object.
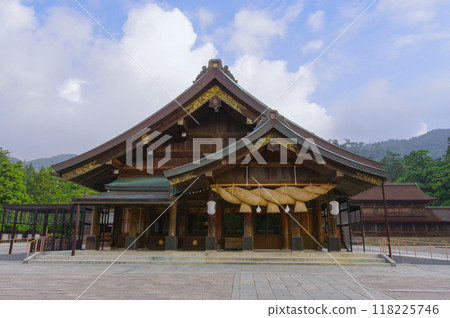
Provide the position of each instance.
(394, 192)
(442, 212)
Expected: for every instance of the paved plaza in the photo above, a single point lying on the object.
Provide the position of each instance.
(222, 281)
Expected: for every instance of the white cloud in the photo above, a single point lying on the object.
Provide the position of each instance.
(16, 17)
(312, 46)
(316, 20)
(423, 129)
(379, 110)
(253, 30)
(408, 11)
(71, 90)
(205, 17)
(268, 79)
(43, 63)
(414, 39)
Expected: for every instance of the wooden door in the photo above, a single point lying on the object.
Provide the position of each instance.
(267, 231)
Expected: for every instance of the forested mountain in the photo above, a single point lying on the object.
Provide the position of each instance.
(43, 162)
(435, 141)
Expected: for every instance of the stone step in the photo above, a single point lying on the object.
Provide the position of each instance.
(104, 257)
(215, 259)
(324, 256)
(205, 254)
(301, 262)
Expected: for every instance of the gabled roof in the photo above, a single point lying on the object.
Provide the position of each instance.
(210, 77)
(394, 192)
(277, 124)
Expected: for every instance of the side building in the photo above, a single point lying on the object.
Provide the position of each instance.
(408, 214)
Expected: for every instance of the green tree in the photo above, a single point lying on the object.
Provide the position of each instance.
(419, 168)
(394, 163)
(431, 175)
(12, 181)
(440, 184)
(45, 188)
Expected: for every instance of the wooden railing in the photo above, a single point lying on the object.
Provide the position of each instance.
(415, 248)
(13, 241)
(37, 244)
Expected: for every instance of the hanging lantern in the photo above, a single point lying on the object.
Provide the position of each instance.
(211, 207)
(287, 210)
(334, 207)
(258, 209)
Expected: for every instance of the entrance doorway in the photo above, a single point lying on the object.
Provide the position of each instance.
(267, 230)
(233, 229)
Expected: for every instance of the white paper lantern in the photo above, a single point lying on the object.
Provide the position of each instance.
(334, 208)
(211, 207)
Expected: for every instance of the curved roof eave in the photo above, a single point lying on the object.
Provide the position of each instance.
(287, 131)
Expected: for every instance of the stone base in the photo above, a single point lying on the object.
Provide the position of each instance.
(92, 242)
(128, 241)
(297, 243)
(171, 243)
(247, 243)
(211, 243)
(334, 244)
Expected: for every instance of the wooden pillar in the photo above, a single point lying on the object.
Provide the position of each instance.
(11, 244)
(247, 240)
(116, 226)
(173, 220)
(295, 224)
(219, 222)
(284, 230)
(126, 217)
(44, 228)
(296, 238)
(63, 229)
(55, 224)
(212, 225)
(171, 241)
(334, 241)
(248, 228)
(182, 227)
(331, 221)
(317, 221)
(77, 220)
(3, 222)
(95, 217)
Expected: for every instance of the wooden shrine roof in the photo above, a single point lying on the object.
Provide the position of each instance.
(95, 168)
(277, 124)
(394, 192)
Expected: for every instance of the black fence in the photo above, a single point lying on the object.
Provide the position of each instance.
(56, 222)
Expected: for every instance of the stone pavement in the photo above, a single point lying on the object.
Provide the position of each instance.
(222, 281)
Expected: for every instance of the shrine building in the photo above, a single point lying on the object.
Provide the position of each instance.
(216, 169)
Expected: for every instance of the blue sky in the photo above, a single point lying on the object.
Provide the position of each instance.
(66, 87)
